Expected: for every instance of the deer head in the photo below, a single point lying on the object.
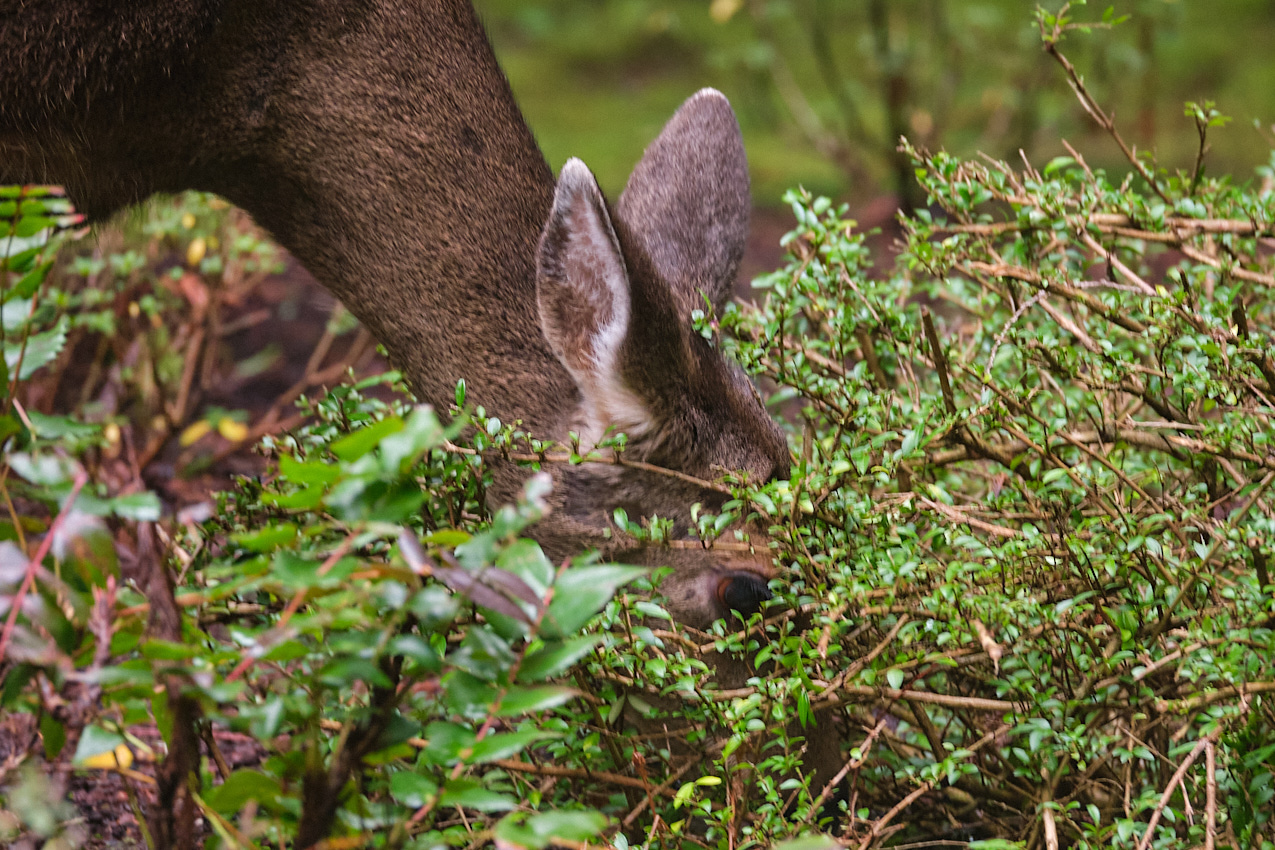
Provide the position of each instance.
(615, 292)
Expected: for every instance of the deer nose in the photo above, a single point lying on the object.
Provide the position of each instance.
(743, 592)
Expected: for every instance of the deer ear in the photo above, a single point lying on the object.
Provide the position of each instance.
(687, 201)
(582, 291)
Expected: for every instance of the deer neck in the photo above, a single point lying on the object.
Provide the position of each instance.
(378, 141)
(410, 185)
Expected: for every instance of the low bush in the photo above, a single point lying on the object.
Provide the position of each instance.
(1025, 599)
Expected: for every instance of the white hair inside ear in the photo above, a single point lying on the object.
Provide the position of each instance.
(582, 291)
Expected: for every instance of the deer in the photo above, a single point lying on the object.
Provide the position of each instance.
(380, 143)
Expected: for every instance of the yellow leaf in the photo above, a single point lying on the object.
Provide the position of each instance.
(120, 758)
(194, 432)
(188, 220)
(723, 10)
(111, 434)
(235, 432)
(196, 250)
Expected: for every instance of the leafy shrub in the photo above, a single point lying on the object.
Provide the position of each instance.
(1026, 598)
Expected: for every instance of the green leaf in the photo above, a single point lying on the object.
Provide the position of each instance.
(53, 735)
(139, 507)
(805, 715)
(399, 503)
(42, 469)
(518, 701)
(345, 672)
(61, 427)
(9, 425)
(399, 730)
(21, 253)
(364, 440)
(420, 432)
(304, 499)
(412, 789)
(525, 559)
(267, 539)
(16, 314)
(41, 350)
(28, 226)
(121, 675)
(266, 720)
(469, 794)
(582, 592)
(447, 741)
(810, 842)
(288, 650)
(684, 794)
(497, 746)
(541, 830)
(467, 693)
(419, 650)
(556, 657)
(1058, 163)
(309, 472)
(911, 439)
(164, 650)
(229, 797)
(30, 282)
(448, 538)
(94, 741)
(434, 606)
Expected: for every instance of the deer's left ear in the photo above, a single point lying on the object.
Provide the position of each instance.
(687, 202)
(582, 291)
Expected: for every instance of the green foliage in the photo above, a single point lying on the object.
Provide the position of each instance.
(388, 676)
(1035, 499)
(33, 335)
(1025, 584)
(391, 675)
(426, 689)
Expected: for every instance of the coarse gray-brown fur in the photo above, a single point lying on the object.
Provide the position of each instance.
(379, 142)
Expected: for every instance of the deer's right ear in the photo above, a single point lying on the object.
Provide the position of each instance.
(582, 290)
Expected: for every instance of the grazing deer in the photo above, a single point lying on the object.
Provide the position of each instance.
(379, 142)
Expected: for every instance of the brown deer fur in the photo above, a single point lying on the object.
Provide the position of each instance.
(379, 142)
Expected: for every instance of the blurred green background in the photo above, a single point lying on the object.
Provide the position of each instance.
(822, 87)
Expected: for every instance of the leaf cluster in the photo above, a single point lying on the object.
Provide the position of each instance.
(1025, 596)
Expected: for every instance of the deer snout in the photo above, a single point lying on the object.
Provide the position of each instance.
(708, 584)
(742, 591)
